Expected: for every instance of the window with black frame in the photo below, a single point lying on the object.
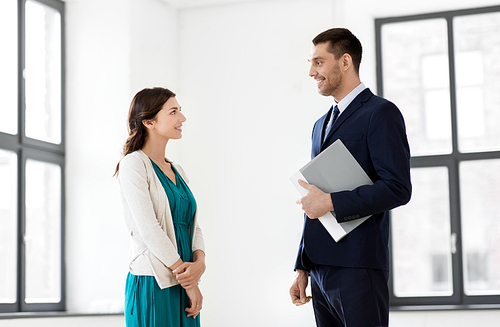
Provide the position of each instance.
(32, 156)
(443, 72)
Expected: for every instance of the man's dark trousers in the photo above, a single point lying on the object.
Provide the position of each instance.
(352, 297)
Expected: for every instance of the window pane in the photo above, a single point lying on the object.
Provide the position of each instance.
(421, 237)
(8, 223)
(8, 66)
(416, 78)
(43, 232)
(480, 195)
(43, 73)
(477, 49)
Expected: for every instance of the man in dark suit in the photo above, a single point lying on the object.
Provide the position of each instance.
(349, 278)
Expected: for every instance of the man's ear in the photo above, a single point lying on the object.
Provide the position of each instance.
(346, 61)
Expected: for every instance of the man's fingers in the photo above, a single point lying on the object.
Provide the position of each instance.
(302, 293)
(304, 184)
(298, 293)
(296, 298)
(298, 288)
(294, 293)
(299, 302)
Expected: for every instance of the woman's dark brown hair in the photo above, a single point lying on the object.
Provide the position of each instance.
(145, 106)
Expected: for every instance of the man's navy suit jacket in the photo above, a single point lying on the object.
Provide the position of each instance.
(373, 130)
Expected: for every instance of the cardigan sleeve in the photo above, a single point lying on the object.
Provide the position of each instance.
(136, 193)
(198, 241)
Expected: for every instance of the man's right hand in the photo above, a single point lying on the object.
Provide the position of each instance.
(298, 289)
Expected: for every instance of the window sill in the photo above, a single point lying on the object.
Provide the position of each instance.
(445, 307)
(52, 314)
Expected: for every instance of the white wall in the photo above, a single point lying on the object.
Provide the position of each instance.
(98, 83)
(240, 72)
(250, 107)
(114, 48)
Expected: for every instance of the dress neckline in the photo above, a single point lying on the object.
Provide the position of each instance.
(176, 183)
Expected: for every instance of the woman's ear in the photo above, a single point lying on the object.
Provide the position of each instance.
(148, 123)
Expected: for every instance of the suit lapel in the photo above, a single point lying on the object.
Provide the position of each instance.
(353, 106)
(317, 137)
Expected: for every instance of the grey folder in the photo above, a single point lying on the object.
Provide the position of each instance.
(334, 170)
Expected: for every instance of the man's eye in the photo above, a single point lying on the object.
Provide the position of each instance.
(318, 63)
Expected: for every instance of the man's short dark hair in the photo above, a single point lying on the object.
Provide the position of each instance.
(341, 41)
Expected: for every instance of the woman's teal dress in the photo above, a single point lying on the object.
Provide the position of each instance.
(146, 305)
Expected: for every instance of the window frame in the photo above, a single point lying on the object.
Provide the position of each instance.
(26, 148)
(458, 300)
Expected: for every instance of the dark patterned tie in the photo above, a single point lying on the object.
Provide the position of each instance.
(332, 120)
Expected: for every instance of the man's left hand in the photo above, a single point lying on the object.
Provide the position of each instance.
(316, 203)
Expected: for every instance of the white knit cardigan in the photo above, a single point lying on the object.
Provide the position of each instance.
(153, 247)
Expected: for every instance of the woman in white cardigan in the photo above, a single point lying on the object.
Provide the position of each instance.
(167, 255)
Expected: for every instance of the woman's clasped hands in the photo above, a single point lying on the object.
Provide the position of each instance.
(188, 274)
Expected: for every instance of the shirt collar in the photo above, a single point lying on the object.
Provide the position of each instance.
(346, 101)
